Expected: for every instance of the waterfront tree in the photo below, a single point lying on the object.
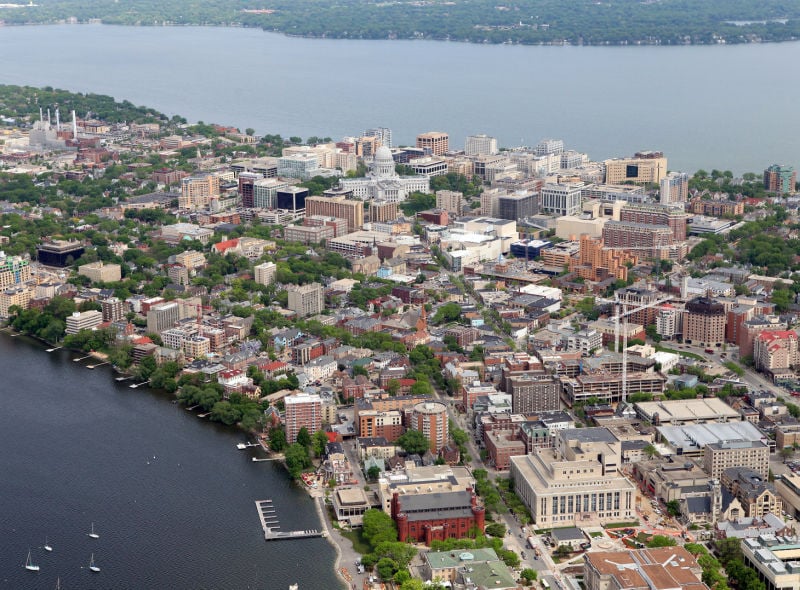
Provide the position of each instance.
(297, 460)
(319, 441)
(277, 439)
(378, 527)
(303, 437)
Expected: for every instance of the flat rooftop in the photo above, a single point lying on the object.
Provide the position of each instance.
(690, 410)
(696, 436)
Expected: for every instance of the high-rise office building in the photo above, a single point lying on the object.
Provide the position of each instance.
(562, 199)
(437, 142)
(480, 145)
(197, 191)
(246, 188)
(517, 205)
(265, 192)
(384, 134)
(645, 170)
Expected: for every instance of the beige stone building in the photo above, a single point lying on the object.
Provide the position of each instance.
(98, 272)
(306, 300)
(638, 170)
(719, 456)
(577, 482)
(437, 141)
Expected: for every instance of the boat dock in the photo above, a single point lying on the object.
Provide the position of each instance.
(270, 524)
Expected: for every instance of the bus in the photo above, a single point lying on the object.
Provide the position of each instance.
(545, 585)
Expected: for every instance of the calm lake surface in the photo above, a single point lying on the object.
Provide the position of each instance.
(171, 497)
(726, 107)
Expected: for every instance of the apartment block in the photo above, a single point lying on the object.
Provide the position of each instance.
(308, 234)
(704, 322)
(659, 215)
(113, 309)
(13, 270)
(265, 273)
(674, 188)
(197, 191)
(302, 411)
(607, 388)
(14, 296)
(430, 418)
(450, 201)
(531, 393)
(780, 179)
(594, 262)
(351, 210)
(306, 300)
(375, 423)
(775, 350)
(646, 241)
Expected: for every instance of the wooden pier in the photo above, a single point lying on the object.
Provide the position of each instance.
(270, 524)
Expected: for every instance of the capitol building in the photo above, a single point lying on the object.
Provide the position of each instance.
(382, 183)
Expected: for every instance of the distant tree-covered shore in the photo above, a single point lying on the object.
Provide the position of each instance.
(530, 22)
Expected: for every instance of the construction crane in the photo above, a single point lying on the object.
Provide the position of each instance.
(623, 315)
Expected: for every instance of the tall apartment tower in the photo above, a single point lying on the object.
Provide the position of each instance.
(780, 179)
(430, 418)
(674, 188)
(197, 191)
(704, 323)
(302, 410)
(549, 146)
(382, 133)
(113, 309)
(480, 145)
(306, 300)
(265, 273)
(450, 201)
(436, 141)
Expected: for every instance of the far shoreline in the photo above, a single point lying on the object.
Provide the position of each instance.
(234, 25)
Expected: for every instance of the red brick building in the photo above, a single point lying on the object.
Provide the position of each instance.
(434, 517)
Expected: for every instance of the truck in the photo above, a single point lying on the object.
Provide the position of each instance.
(535, 546)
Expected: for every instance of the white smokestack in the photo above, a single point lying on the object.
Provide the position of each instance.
(48, 117)
(74, 127)
(41, 114)
(58, 120)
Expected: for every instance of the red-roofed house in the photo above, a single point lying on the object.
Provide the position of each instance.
(222, 247)
(776, 350)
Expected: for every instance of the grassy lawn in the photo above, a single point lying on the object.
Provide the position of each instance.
(595, 534)
(685, 353)
(359, 544)
(621, 525)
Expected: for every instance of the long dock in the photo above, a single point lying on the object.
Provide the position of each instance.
(270, 524)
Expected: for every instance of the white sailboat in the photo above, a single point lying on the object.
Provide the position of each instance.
(29, 563)
(93, 534)
(92, 566)
(58, 584)
(47, 546)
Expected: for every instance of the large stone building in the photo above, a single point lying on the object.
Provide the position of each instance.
(647, 170)
(437, 516)
(577, 482)
(382, 183)
(720, 456)
(533, 393)
(97, 272)
(756, 495)
(704, 322)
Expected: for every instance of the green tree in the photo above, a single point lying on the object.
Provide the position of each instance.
(303, 437)
(277, 439)
(650, 451)
(529, 575)
(661, 541)
(374, 472)
(413, 441)
(674, 508)
(297, 459)
(378, 527)
(319, 441)
(495, 529)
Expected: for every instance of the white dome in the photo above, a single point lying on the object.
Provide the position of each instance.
(383, 153)
(383, 163)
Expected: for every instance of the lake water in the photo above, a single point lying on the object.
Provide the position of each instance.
(171, 497)
(726, 107)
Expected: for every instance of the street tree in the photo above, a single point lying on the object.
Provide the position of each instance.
(413, 441)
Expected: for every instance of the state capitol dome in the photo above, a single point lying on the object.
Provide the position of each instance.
(383, 163)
